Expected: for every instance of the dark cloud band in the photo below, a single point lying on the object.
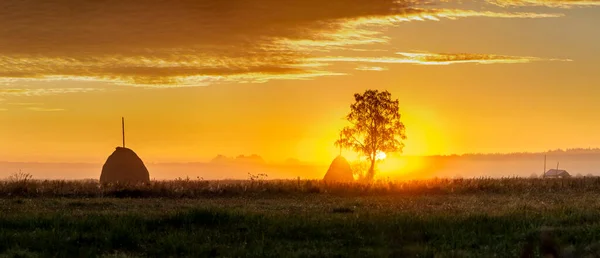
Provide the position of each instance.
(196, 42)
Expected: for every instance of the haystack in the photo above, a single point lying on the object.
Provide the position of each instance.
(124, 166)
(339, 171)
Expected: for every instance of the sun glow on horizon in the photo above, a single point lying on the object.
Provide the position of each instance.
(395, 166)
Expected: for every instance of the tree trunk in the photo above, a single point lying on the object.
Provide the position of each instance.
(371, 173)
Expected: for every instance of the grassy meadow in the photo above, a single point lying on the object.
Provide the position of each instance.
(299, 218)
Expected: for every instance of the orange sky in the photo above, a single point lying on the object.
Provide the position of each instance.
(201, 78)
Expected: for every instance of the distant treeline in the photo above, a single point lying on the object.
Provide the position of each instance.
(572, 151)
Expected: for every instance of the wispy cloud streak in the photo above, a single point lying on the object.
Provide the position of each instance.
(437, 59)
(548, 3)
(42, 91)
(371, 68)
(41, 109)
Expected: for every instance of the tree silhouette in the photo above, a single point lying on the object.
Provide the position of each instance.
(375, 127)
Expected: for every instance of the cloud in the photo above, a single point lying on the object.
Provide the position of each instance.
(24, 104)
(371, 68)
(547, 3)
(3, 109)
(437, 59)
(42, 91)
(33, 106)
(367, 30)
(41, 109)
(196, 42)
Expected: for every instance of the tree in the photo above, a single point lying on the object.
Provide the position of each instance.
(375, 127)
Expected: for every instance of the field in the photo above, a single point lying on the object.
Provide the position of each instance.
(254, 218)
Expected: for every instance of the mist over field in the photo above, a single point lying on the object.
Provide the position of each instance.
(583, 162)
(218, 168)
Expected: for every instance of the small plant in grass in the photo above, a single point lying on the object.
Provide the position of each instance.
(20, 177)
(18, 183)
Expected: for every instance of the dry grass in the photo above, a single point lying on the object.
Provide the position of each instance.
(295, 218)
(186, 188)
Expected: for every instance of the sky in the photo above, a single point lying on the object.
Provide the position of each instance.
(194, 79)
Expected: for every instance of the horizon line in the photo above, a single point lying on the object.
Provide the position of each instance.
(589, 150)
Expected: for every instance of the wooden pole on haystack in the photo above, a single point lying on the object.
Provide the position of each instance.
(123, 130)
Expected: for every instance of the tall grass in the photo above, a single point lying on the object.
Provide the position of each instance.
(186, 188)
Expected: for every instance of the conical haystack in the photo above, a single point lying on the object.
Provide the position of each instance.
(124, 166)
(339, 171)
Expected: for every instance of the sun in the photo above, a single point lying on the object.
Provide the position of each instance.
(380, 155)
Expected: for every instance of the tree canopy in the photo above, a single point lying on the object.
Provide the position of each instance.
(375, 127)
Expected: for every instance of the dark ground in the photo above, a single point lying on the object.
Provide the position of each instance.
(299, 225)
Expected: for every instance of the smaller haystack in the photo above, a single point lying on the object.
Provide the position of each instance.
(339, 171)
(124, 166)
